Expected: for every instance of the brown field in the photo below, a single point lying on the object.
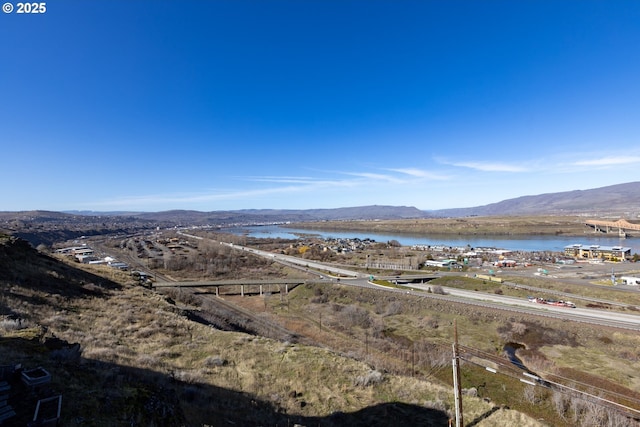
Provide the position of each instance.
(532, 225)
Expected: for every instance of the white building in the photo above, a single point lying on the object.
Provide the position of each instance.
(632, 281)
(440, 263)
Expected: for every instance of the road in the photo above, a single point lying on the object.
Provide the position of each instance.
(500, 302)
(290, 260)
(610, 318)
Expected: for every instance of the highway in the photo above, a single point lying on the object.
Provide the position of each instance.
(307, 264)
(588, 315)
(485, 300)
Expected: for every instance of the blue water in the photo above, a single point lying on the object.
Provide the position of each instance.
(513, 243)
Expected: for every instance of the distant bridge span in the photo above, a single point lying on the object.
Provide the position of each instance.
(621, 225)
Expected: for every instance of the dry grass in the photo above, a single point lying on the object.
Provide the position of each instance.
(398, 324)
(612, 357)
(136, 346)
(534, 225)
(142, 355)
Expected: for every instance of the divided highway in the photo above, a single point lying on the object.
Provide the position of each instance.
(516, 305)
(298, 262)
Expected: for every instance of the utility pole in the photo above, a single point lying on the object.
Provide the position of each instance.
(366, 344)
(413, 358)
(457, 391)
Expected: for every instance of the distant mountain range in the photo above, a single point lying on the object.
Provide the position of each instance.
(621, 200)
(286, 215)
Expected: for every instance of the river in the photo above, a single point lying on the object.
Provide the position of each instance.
(513, 243)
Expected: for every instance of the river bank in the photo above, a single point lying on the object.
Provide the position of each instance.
(512, 242)
(479, 226)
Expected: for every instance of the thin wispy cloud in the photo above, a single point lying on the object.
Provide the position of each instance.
(323, 183)
(293, 185)
(280, 179)
(375, 176)
(303, 182)
(207, 197)
(280, 185)
(399, 175)
(490, 166)
(609, 161)
(419, 173)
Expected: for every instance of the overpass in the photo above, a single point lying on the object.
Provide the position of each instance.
(621, 225)
(408, 278)
(240, 286)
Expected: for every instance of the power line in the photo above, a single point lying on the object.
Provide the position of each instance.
(535, 380)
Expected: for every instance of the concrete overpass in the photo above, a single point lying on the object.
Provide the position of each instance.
(409, 278)
(240, 286)
(621, 225)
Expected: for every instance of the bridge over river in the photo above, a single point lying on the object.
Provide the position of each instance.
(621, 225)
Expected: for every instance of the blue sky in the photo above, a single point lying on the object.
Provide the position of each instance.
(214, 105)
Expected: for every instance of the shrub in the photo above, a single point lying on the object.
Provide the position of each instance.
(605, 340)
(431, 322)
(394, 307)
(70, 354)
(353, 315)
(147, 361)
(14, 324)
(518, 328)
(319, 299)
(104, 354)
(212, 361)
(437, 289)
(372, 378)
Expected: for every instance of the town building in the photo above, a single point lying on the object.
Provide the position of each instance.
(629, 280)
(443, 263)
(598, 252)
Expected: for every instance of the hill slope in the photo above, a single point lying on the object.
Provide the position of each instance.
(621, 199)
(123, 355)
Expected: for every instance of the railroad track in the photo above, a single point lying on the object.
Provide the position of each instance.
(222, 314)
(625, 405)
